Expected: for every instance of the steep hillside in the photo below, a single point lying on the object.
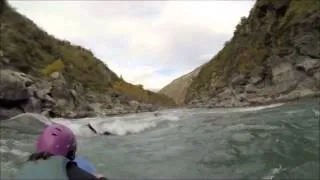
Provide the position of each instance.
(274, 55)
(30, 50)
(137, 92)
(68, 76)
(177, 89)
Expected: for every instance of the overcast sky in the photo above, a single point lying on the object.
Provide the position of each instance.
(147, 42)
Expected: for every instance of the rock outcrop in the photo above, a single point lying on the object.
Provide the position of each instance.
(273, 56)
(21, 93)
(29, 123)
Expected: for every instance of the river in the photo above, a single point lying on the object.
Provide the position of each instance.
(266, 142)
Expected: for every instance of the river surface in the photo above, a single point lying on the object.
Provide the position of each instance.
(267, 142)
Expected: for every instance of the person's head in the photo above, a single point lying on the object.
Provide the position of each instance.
(55, 140)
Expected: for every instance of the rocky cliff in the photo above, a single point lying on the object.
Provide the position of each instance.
(39, 73)
(274, 55)
(177, 89)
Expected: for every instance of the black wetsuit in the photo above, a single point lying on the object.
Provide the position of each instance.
(76, 173)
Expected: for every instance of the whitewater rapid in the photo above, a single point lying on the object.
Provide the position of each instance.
(137, 123)
(263, 142)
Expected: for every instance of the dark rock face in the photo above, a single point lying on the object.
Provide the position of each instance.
(309, 65)
(13, 86)
(13, 93)
(20, 93)
(273, 56)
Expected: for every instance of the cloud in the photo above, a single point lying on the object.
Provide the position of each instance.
(148, 42)
(149, 76)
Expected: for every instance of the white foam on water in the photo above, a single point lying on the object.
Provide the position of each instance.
(237, 109)
(117, 125)
(170, 117)
(316, 112)
(132, 124)
(242, 137)
(273, 172)
(292, 112)
(120, 127)
(257, 108)
(78, 127)
(38, 117)
(81, 129)
(16, 152)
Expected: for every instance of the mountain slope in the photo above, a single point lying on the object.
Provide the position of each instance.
(274, 55)
(69, 76)
(31, 50)
(177, 89)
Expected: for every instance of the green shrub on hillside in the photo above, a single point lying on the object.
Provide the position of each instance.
(250, 59)
(297, 9)
(56, 66)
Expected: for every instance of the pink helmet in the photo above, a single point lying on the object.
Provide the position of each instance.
(56, 139)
